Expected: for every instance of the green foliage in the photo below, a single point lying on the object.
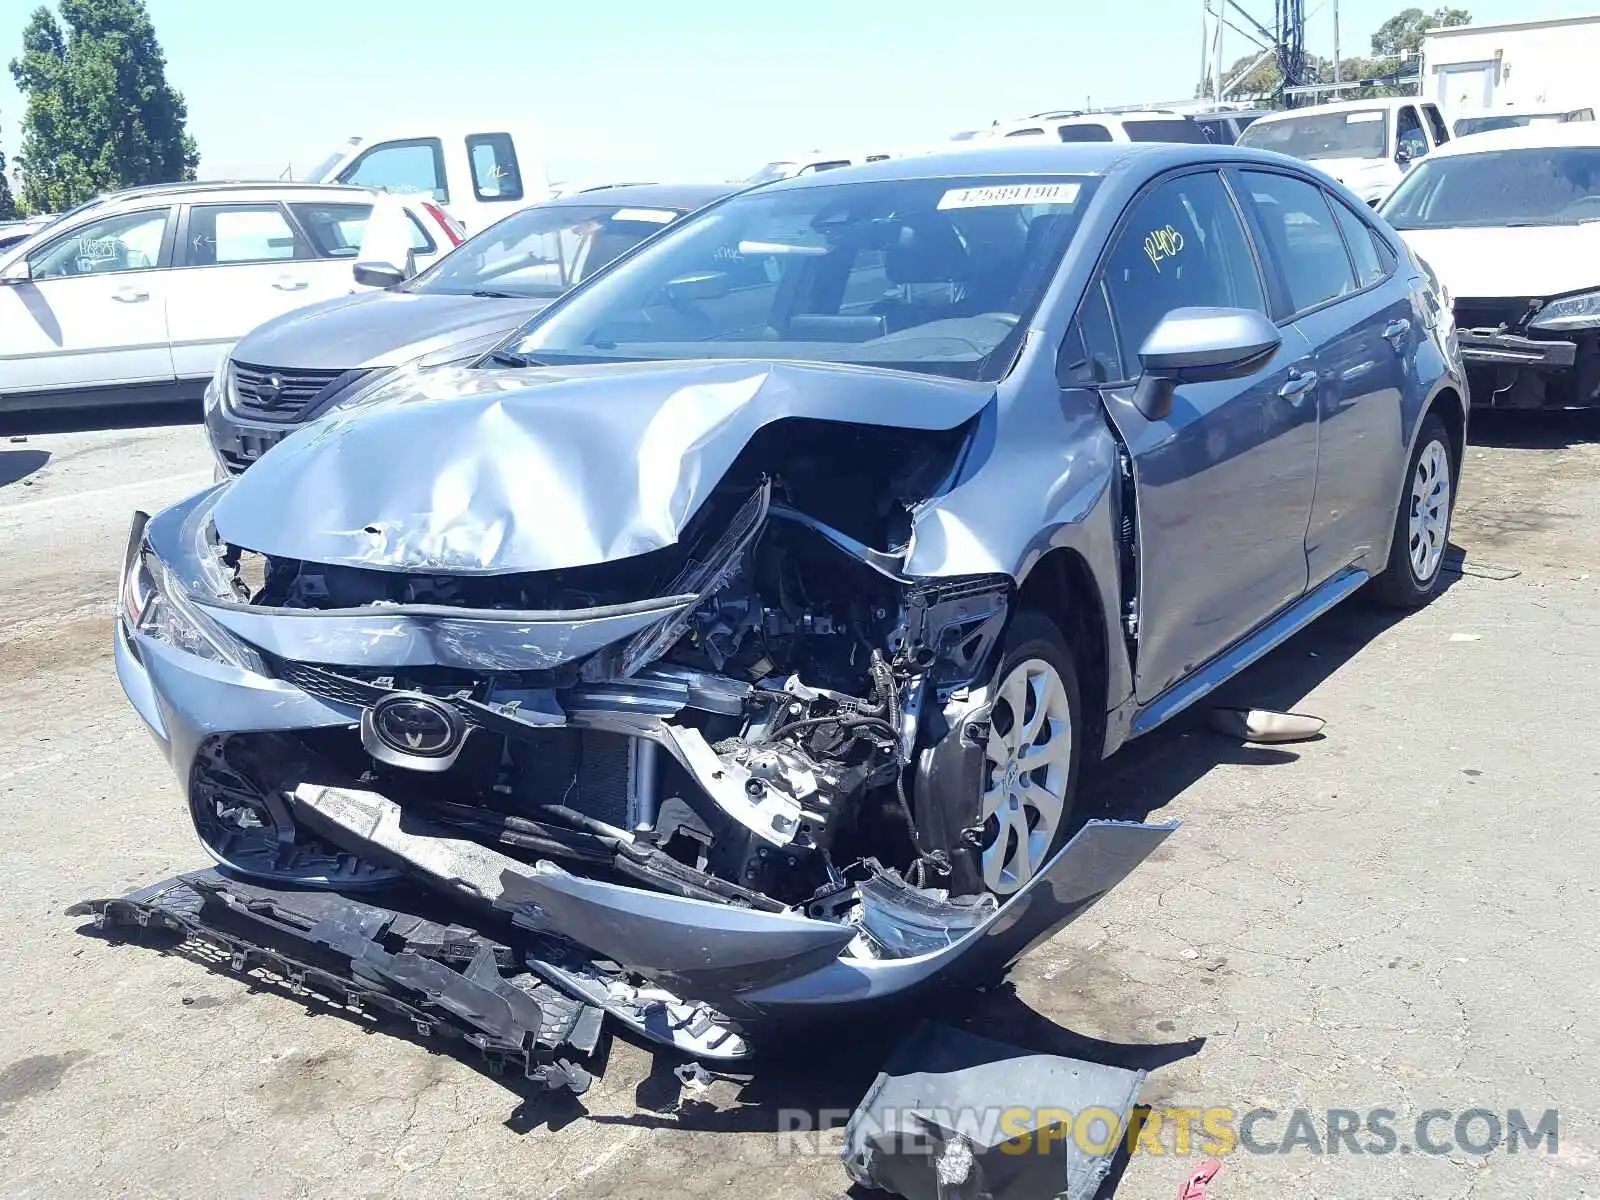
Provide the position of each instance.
(1403, 32)
(8, 204)
(100, 113)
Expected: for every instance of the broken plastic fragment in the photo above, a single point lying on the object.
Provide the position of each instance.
(1265, 726)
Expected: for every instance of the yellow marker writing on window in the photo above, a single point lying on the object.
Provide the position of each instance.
(1162, 243)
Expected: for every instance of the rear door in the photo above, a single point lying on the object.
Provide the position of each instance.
(240, 264)
(1225, 481)
(1334, 282)
(93, 313)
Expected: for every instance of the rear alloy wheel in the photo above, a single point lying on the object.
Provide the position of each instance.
(1031, 757)
(1422, 528)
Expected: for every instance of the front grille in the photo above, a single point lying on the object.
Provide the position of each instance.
(586, 769)
(1492, 313)
(283, 393)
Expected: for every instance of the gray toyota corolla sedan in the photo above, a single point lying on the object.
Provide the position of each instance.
(304, 364)
(728, 648)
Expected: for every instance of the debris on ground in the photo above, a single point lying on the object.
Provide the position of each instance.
(921, 1131)
(1264, 726)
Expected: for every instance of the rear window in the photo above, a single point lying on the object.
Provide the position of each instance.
(1174, 130)
(334, 229)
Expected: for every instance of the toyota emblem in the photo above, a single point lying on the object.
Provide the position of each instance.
(410, 729)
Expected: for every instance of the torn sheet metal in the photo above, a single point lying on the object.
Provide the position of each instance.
(443, 978)
(537, 471)
(958, 1117)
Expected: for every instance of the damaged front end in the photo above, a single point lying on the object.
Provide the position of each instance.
(1530, 353)
(700, 752)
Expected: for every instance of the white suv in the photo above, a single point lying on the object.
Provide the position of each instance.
(1156, 125)
(138, 295)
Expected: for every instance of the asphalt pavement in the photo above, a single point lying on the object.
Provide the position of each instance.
(1398, 917)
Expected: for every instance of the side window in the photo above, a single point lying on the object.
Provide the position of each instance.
(126, 242)
(403, 167)
(1410, 140)
(1441, 135)
(235, 234)
(421, 241)
(1182, 246)
(1090, 355)
(494, 167)
(1299, 229)
(334, 229)
(1358, 236)
(1083, 133)
(1028, 133)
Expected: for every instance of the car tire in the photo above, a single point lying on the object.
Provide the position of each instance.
(1022, 824)
(1415, 572)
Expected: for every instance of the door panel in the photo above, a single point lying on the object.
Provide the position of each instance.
(94, 314)
(1364, 344)
(1225, 481)
(1225, 485)
(240, 265)
(1333, 282)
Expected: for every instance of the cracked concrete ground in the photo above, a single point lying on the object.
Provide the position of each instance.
(1398, 916)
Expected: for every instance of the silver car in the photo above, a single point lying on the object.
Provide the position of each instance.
(728, 648)
(299, 366)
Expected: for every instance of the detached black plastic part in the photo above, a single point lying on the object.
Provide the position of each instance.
(445, 979)
(958, 1117)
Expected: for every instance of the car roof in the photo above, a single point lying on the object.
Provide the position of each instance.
(1339, 106)
(1027, 156)
(683, 197)
(1526, 137)
(231, 187)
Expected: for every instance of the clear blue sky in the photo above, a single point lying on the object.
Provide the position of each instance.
(694, 89)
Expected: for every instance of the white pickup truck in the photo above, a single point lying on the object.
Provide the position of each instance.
(479, 172)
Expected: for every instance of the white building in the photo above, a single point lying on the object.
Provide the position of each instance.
(1549, 63)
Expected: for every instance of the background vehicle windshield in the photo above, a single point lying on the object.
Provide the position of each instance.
(1360, 133)
(1550, 186)
(1468, 125)
(932, 275)
(541, 252)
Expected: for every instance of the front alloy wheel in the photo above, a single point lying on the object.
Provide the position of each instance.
(1030, 757)
(1415, 570)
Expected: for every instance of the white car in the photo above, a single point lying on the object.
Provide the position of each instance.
(138, 295)
(1155, 125)
(1510, 223)
(1367, 145)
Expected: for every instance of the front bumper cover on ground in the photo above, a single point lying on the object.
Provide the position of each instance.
(445, 979)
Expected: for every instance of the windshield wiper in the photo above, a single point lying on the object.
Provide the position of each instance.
(510, 358)
(486, 294)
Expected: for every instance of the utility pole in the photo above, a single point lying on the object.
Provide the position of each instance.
(1336, 41)
(1216, 74)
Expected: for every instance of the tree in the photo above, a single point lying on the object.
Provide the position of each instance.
(1402, 33)
(100, 113)
(8, 205)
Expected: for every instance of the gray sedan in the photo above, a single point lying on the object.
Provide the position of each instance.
(734, 637)
(301, 365)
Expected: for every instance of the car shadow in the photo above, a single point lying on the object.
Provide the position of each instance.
(110, 416)
(1147, 774)
(17, 465)
(1534, 429)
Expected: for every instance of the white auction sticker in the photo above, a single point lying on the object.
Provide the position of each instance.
(1363, 118)
(654, 215)
(1011, 193)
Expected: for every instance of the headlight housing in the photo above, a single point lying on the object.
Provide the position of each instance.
(152, 603)
(217, 389)
(1570, 312)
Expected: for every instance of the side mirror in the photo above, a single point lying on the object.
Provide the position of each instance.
(16, 272)
(378, 274)
(1404, 153)
(1200, 345)
(703, 285)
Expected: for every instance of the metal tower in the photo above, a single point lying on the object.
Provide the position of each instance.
(1283, 42)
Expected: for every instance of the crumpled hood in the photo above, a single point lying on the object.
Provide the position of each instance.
(1489, 263)
(541, 469)
(377, 329)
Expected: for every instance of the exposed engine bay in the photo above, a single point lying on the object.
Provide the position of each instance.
(777, 738)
